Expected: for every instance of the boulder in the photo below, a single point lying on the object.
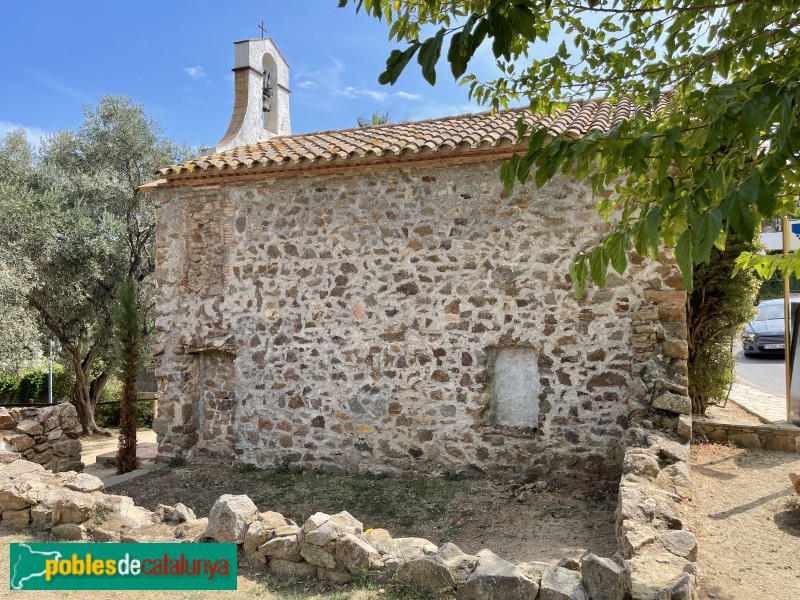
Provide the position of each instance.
(495, 578)
(256, 536)
(794, 477)
(673, 403)
(322, 535)
(681, 543)
(676, 478)
(41, 518)
(6, 420)
(291, 570)
(30, 427)
(17, 519)
(286, 548)
(72, 507)
(21, 467)
(174, 514)
(605, 579)
(229, 518)
(635, 536)
(569, 563)
(561, 584)
(685, 427)
(19, 442)
(429, 573)
(16, 496)
(67, 448)
(68, 531)
(317, 556)
(461, 565)
(344, 522)
(356, 555)
(669, 450)
(641, 464)
(314, 521)
(83, 482)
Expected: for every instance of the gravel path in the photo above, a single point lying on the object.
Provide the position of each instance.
(746, 516)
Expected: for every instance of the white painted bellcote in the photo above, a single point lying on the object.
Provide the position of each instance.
(261, 100)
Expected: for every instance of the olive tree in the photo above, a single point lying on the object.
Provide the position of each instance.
(79, 225)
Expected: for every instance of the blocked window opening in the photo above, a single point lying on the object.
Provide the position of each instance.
(515, 387)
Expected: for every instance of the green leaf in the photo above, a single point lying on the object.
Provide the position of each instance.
(456, 56)
(616, 246)
(395, 64)
(683, 256)
(705, 232)
(429, 54)
(508, 173)
(578, 271)
(736, 208)
(598, 265)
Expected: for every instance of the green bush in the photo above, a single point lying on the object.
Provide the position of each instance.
(32, 386)
(107, 415)
(718, 308)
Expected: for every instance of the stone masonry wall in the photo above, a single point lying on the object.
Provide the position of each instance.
(47, 436)
(350, 323)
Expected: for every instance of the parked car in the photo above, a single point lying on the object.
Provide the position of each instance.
(765, 335)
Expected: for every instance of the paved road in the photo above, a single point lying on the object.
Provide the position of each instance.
(765, 373)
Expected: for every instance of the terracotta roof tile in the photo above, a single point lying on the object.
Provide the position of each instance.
(394, 139)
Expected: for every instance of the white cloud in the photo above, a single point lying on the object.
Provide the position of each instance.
(34, 134)
(353, 92)
(307, 85)
(407, 96)
(195, 72)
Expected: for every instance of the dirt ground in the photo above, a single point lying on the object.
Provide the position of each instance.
(731, 413)
(746, 516)
(473, 514)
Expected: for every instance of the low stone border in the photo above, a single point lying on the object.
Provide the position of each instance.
(336, 548)
(782, 437)
(47, 436)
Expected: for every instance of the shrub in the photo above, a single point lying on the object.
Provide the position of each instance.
(717, 309)
(107, 411)
(32, 385)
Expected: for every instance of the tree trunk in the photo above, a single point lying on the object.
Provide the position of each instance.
(83, 397)
(126, 450)
(699, 404)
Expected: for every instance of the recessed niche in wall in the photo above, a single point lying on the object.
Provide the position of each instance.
(515, 387)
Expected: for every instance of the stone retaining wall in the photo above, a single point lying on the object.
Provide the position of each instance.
(47, 436)
(782, 437)
(334, 548)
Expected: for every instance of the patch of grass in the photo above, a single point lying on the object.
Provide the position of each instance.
(792, 502)
(176, 462)
(248, 468)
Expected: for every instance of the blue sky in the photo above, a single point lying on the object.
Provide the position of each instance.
(177, 58)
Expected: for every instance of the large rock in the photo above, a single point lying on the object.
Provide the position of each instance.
(561, 584)
(642, 464)
(67, 448)
(495, 578)
(673, 403)
(317, 556)
(19, 442)
(6, 420)
(31, 427)
(229, 518)
(356, 555)
(681, 543)
(17, 519)
(284, 548)
(16, 496)
(291, 570)
(322, 535)
(21, 467)
(605, 579)
(257, 535)
(429, 573)
(68, 531)
(794, 477)
(635, 536)
(676, 478)
(83, 482)
(461, 565)
(72, 507)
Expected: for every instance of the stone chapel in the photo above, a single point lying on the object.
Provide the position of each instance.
(370, 300)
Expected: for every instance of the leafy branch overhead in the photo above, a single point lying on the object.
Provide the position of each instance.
(713, 148)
